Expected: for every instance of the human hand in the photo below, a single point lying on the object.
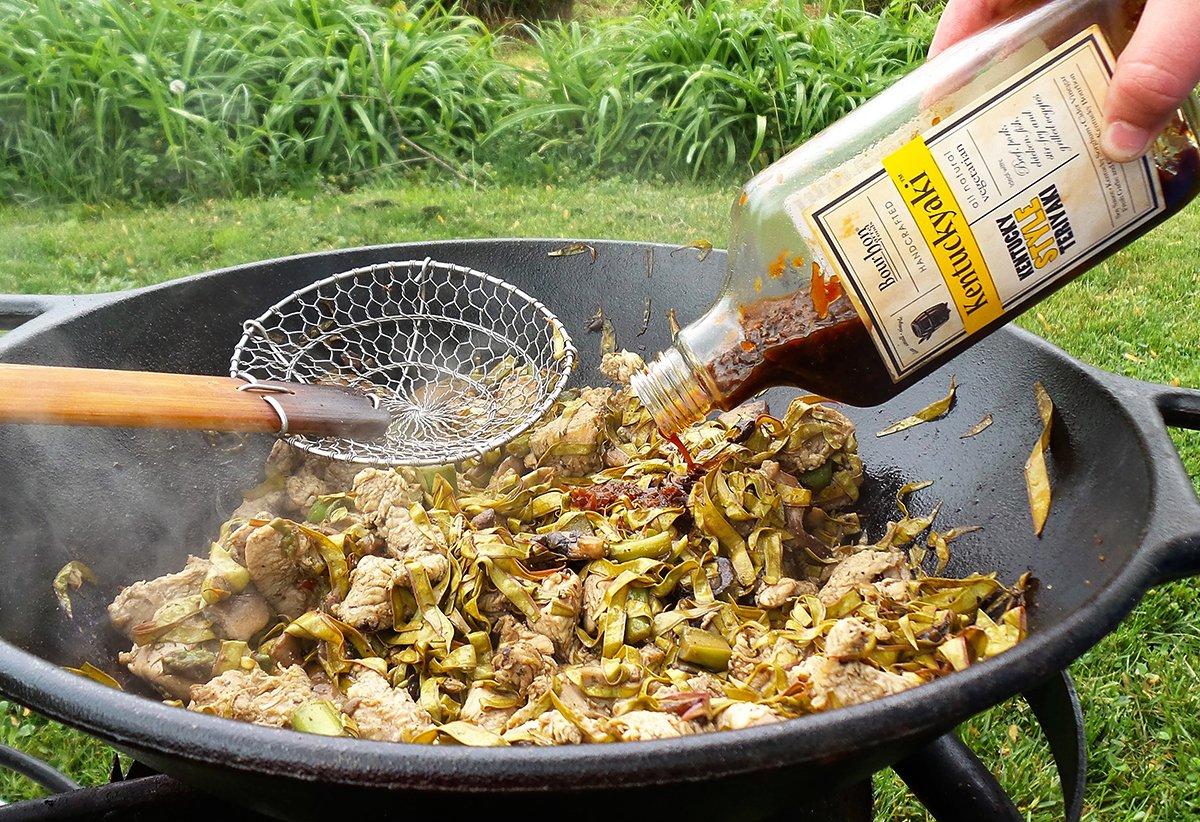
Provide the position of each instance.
(1157, 70)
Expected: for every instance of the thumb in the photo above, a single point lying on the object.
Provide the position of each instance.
(962, 18)
(1158, 69)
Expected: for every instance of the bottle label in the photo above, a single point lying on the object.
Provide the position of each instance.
(985, 211)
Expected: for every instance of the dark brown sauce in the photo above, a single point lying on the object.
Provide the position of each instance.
(683, 452)
(600, 497)
(787, 342)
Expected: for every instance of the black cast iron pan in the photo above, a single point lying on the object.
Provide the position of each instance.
(131, 505)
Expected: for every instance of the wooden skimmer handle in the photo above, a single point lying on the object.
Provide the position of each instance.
(139, 399)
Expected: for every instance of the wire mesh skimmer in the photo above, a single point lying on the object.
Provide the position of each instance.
(462, 361)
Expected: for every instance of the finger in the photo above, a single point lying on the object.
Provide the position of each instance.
(962, 18)
(1158, 69)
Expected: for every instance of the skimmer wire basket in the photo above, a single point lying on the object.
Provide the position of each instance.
(462, 361)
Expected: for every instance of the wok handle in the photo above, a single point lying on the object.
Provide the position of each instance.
(1174, 537)
(1180, 407)
(1171, 541)
(16, 309)
(137, 399)
(954, 786)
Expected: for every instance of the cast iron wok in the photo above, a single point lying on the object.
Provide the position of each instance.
(132, 505)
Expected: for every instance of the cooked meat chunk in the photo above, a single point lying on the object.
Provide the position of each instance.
(560, 596)
(368, 603)
(849, 639)
(521, 655)
(637, 725)
(831, 431)
(305, 477)
(745, 715)
(620, 366)
(430, 559)
(485, 519)
(773, 471)
(284, 459)
(549, 728)
(747, 653)
(895, 587)
(687, 683)
(487, 707)
(651, 656)
(782, 592)
(594, 589)
(271, 498)
(241, 616)
(885, 570)
(138, 603)
(573, 441)
(493, 604)
(513, 394)
(339, 476)
(235, 541)
(573, 697)
(171, 667)
(284, 566)
(616, 457)
(255, 695)
(383, 712)
(533, 705)
(377, 492)
(509, 467)
(757, 653)
(385, 497)
(517, 391)
(746, 412)
(568, 694)
(834, 684)
(303, 488)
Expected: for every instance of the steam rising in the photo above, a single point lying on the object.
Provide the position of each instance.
(131, 504)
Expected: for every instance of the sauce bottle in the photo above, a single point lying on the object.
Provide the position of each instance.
(930, 216)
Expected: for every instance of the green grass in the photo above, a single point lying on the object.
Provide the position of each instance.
(1134, 316)
(160, 99)
(87, 760)
(708, 87)
(166, 100)
(85, 248)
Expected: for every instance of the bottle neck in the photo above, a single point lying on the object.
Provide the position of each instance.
(673, 391)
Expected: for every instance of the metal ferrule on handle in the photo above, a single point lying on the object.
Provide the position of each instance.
(268, 392)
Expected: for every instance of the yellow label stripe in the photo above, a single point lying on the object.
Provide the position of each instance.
(942, 223)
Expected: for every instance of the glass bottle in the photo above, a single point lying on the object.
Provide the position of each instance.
(927, 218)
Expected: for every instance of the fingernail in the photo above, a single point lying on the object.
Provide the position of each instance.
(1124, 142)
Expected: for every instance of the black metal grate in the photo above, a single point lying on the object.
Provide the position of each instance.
(144, 796)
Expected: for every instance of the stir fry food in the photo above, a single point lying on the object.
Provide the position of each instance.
(587, 583)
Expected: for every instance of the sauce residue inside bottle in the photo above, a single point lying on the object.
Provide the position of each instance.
(790, 342)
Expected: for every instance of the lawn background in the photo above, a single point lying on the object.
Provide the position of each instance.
(1134, 315)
